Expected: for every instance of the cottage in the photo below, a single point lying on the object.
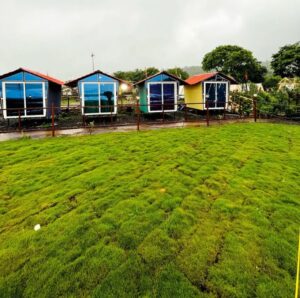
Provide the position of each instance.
(159, 93)
(208, 90)
(98, 93)
(29, 94)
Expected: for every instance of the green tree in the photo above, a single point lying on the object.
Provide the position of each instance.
(122, 75)
(236, 62)
(271, 81)
(136, 75)
(178, 72)
(286, 62)
(150, 71)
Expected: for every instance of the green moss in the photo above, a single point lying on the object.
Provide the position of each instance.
(195, 212)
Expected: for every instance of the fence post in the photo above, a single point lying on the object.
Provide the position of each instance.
(83, 116)
(111, 111)
(19, 116)
(207, 113)
(254, 107)
(224, 116)
(138, 114)
(52, 117)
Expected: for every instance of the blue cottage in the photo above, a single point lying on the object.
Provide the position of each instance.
(98, 93)
(29, 94)
(159, 93)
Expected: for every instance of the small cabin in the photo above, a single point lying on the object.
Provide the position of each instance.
(159, 93)
(29, 94)
(98, 93)
(208, 90)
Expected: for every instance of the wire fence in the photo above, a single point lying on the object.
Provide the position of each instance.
(122, 114)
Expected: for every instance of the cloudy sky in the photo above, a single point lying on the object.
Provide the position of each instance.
(58, 36)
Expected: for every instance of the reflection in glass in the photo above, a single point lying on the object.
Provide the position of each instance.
(155, 97)
(34, 99)
(107, 98)
(169, 97)
(221, 95)
(14, 99)
(210, 94)
(91, 98)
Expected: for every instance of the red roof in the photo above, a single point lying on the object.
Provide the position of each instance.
(48, 78)
(200, 78)
(205, 76)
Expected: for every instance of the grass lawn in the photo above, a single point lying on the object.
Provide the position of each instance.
(193, 212)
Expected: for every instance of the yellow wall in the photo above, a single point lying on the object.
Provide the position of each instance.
(193, 96)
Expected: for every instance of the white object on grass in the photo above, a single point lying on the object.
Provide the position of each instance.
(37, 227)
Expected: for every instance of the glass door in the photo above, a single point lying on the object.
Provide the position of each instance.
(169, 96)
(34, 95)
(107, 98)
(90, 98)
(14, 99)
(155, 97)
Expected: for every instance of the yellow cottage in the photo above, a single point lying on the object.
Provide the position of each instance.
(208, 89)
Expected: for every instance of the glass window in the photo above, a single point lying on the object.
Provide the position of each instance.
(216, 94)
(91, 98)
(221, 95)
(162, 97)
(107, 98)
(155, 93)
(34, 99)
(169, 97)
(99, 98)
(25, 98)
(14, 99)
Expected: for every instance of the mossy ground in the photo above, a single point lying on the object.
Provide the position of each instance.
(194, 212)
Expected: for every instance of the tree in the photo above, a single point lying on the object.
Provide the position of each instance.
(236, 62)
(136, 75)
(178, 72)
(286, 62)
(271, 81)
(122, 75)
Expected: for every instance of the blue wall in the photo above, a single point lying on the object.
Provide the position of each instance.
(52, 91)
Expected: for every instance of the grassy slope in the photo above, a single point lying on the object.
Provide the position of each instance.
(181, 212)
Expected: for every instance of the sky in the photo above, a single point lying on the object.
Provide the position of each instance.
(57, 37)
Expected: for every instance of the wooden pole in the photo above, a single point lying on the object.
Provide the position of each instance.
(254, 109)
(19, 113)
(52, 116)
(207, 113)
(138, 114)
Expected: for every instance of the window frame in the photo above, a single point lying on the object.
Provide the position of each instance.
(162, 89)
(99, 98)
(24, 99)
(227, 94)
